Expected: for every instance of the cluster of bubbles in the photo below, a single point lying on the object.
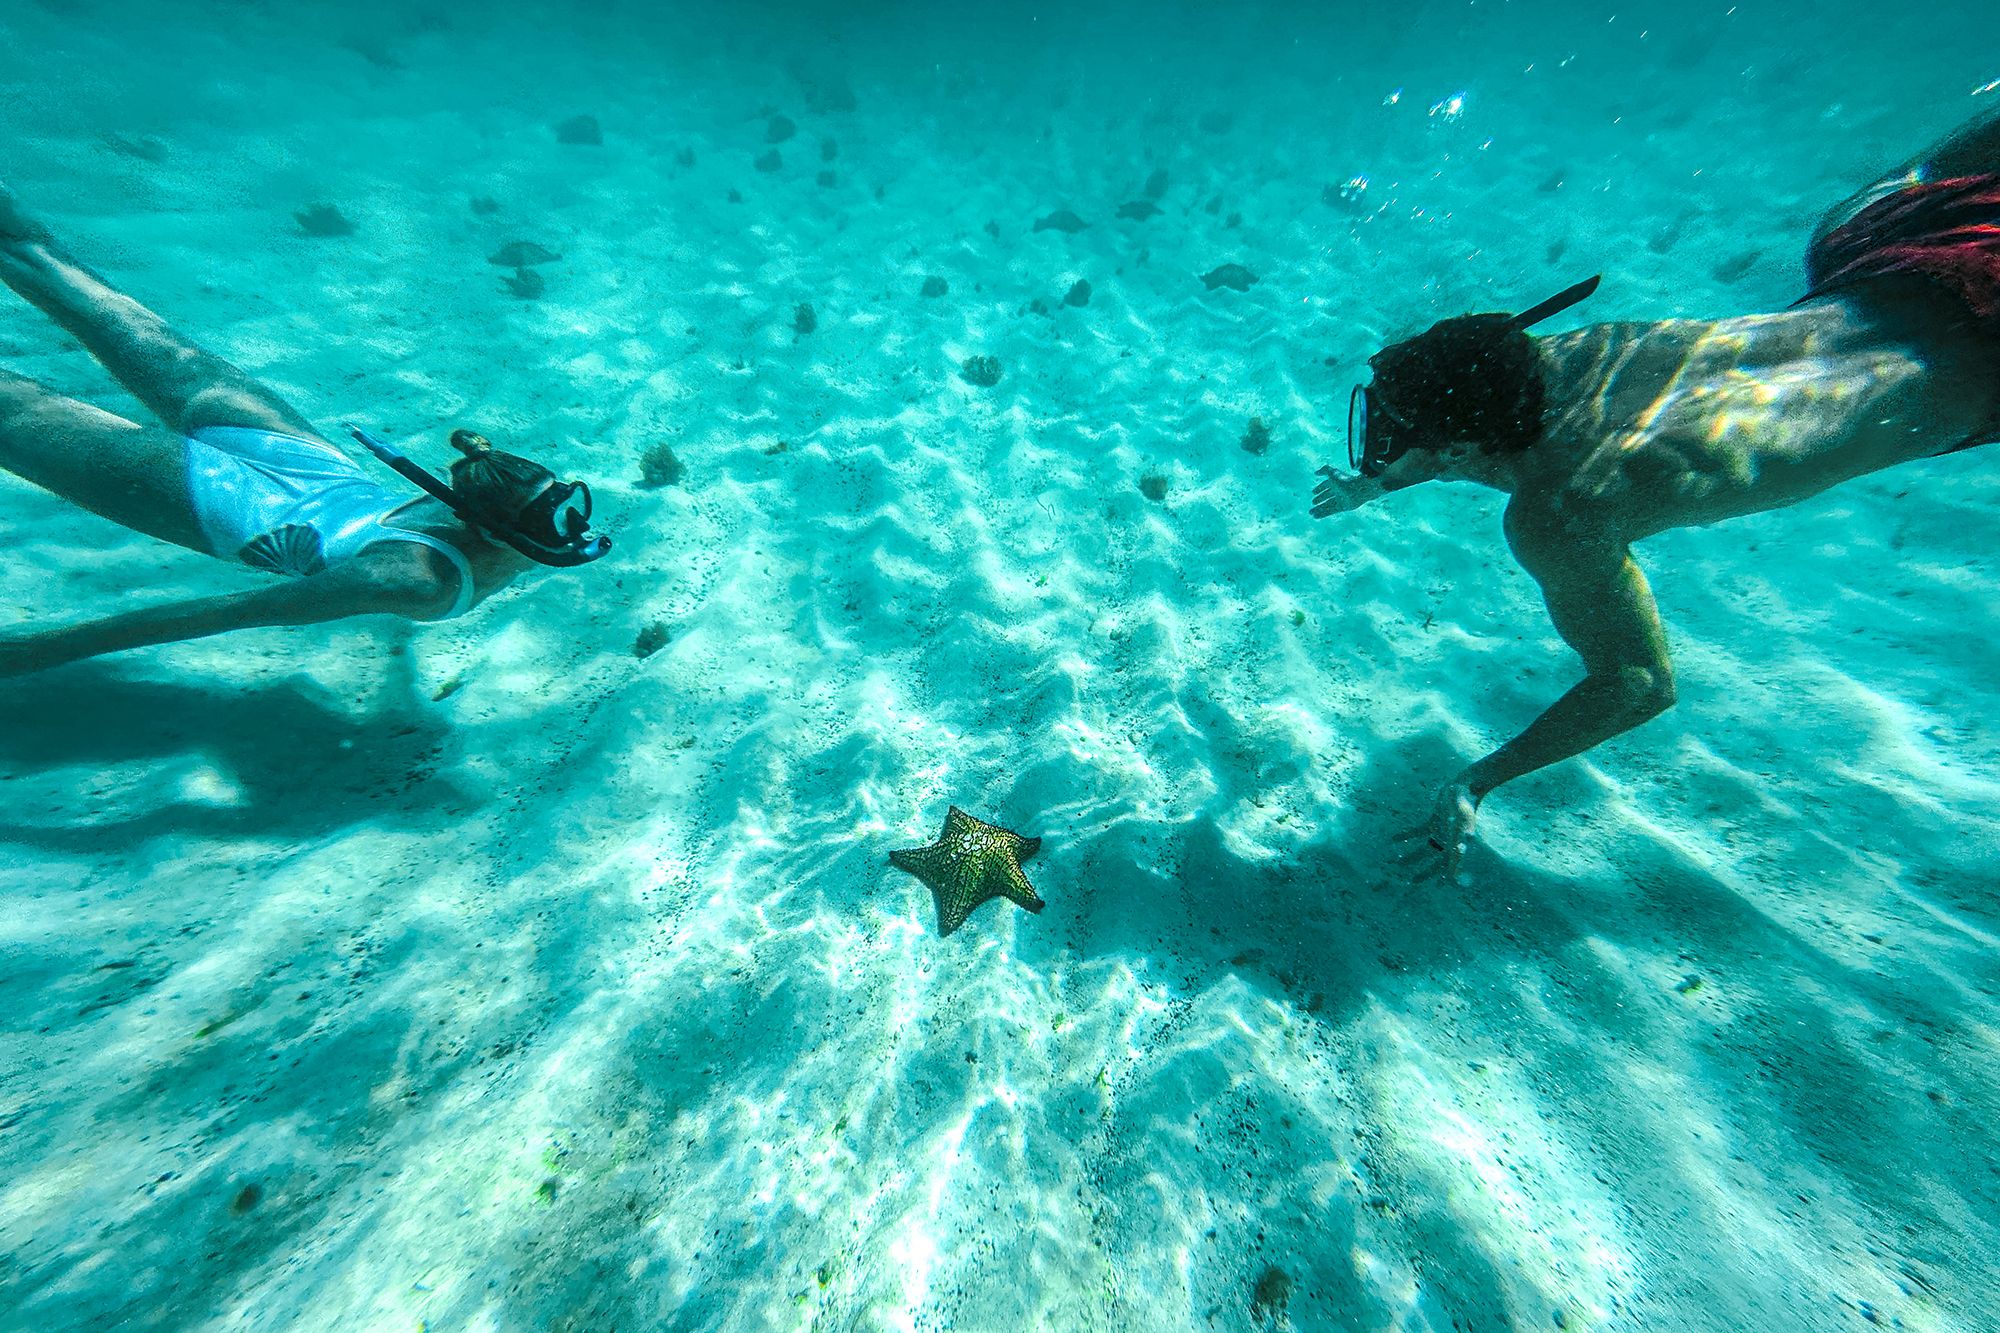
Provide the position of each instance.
(1352, 193)
(1450, 110)
(1446, 110)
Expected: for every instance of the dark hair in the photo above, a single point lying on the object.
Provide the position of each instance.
(493, 485)
(1477, 377)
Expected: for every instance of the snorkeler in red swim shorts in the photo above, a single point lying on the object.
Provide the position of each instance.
(1612, 433)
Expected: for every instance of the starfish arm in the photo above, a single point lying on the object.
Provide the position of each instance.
(1005, 879)
(951, 913)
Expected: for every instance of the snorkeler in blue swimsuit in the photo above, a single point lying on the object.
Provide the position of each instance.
(238, 474)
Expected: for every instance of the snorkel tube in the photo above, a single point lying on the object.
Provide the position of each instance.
(1556, 304)
(567, 518)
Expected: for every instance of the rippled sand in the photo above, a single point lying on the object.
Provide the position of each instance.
(488, 975)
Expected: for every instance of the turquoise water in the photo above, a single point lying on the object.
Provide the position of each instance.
(495, 975)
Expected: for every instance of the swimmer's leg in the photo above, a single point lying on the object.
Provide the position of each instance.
(1973, 149)
(183, 385)
(131, 474)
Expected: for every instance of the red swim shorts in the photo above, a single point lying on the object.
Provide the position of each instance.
(1947, 231)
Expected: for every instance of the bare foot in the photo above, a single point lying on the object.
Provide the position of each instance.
(15, 224)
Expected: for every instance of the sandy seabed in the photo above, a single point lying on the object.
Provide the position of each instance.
(489, 975)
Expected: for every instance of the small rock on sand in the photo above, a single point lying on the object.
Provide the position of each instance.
(652, 637)
(1729, 270)
(1233, 276)
(525, 284)
(522, 254)
(983, 371)
(659, 466)
(324, 220)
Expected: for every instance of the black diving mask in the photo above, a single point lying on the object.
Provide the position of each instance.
(551, 526)
(1378, 434)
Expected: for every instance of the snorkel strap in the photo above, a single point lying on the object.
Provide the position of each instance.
(560, 557)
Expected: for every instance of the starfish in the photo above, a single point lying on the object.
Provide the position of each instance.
(970, 862)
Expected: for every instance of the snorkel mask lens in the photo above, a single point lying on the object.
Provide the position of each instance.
(1371, 446)
(1357, 428)
(559, 515)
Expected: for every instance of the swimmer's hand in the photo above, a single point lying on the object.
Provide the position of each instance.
(1452, 818)
(1441, 840)
(1341, 492)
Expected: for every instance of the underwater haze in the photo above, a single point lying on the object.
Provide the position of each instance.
(544, 969)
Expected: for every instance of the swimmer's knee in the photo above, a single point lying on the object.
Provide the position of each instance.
(1646, 691)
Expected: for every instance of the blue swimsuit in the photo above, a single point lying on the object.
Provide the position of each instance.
(296, 506)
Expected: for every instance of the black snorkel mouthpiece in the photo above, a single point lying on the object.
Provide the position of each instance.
(1371, 448)
(505, 496)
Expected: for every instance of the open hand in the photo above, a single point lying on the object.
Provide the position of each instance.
(1340, 492)
(1441, 840)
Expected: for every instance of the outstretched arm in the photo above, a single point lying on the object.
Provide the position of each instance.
(1603, 609)
(389, 582)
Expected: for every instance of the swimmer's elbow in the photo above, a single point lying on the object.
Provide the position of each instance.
(424, 592)
(417, 585)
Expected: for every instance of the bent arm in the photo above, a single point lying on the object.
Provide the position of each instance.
(1603, 609)
(368, 585)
